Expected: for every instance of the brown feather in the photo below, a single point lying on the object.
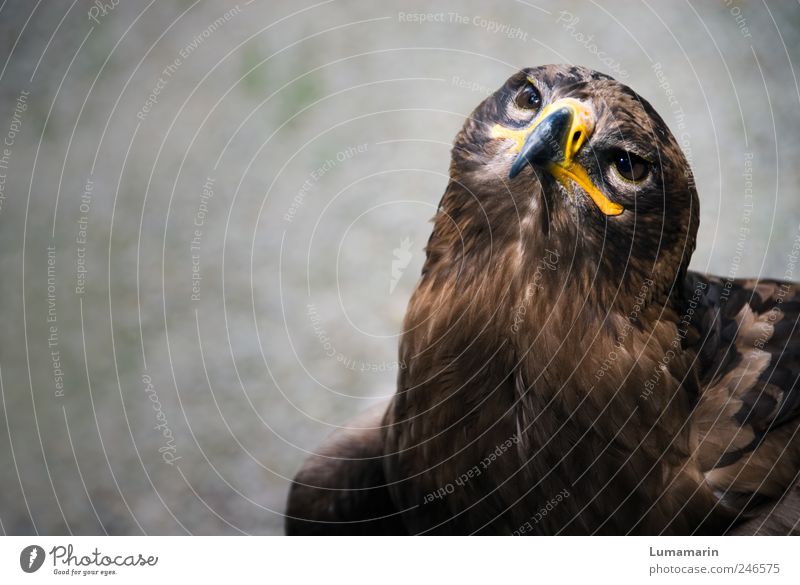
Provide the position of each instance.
(562, 360)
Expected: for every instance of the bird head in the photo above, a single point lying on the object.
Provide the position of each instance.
(570, 160)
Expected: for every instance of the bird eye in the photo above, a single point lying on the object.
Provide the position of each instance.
(528, 97)
(630, 166)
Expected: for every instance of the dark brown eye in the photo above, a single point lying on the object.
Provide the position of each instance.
(528, 97)
(630, 166)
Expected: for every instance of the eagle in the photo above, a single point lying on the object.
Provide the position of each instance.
(565, 372)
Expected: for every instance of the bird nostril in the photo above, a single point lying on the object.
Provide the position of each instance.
(574, 144)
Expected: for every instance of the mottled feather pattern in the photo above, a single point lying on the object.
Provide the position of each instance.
(746, 421)
(551, 349)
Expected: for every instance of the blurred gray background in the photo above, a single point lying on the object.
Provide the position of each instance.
(212, 216)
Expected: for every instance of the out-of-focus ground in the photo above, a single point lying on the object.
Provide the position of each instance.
(293, 153)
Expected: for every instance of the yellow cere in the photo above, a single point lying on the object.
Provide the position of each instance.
(517, 136)
(566, 171)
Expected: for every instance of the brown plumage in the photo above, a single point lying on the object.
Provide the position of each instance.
(566, 373)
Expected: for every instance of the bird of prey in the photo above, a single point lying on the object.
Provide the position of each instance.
(565, 372)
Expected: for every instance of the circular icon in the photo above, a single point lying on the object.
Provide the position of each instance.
(31, 558)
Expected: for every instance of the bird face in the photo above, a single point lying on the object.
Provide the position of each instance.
(576, 155)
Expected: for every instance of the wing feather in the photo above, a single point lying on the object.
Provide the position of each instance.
(341, 490)
(745, 424)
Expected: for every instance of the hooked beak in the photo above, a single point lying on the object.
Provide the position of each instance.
(552, 142)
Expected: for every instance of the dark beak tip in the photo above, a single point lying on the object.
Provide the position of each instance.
(518, 165)
(545, 143)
